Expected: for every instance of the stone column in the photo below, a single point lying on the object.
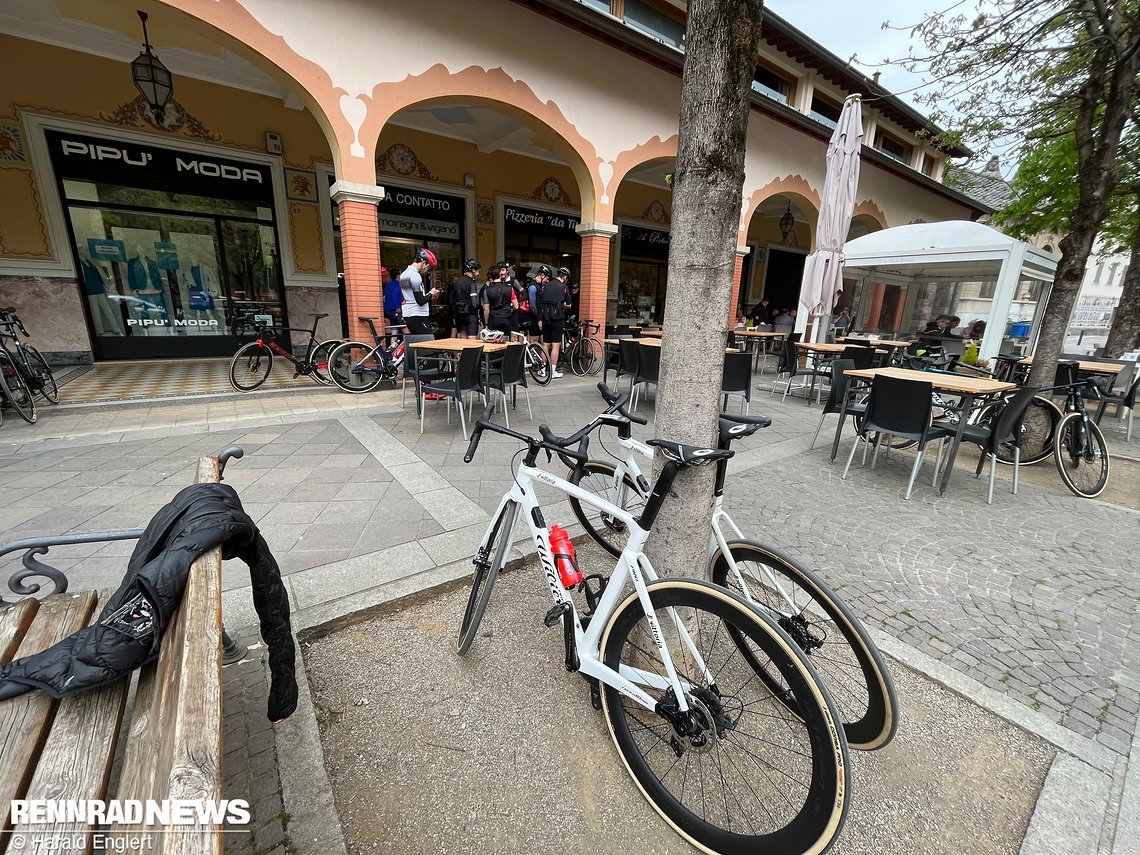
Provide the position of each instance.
(737, 272)
(597, 239)
(360, 245)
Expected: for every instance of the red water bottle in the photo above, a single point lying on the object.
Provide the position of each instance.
(564, 559)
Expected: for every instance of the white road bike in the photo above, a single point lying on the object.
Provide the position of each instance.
(804, 606)
(717, 715)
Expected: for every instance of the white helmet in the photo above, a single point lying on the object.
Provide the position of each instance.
(490, 335)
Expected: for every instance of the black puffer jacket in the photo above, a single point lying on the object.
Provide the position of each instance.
(128, 632)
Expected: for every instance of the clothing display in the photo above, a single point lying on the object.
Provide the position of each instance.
(128, 632)
(105, 316)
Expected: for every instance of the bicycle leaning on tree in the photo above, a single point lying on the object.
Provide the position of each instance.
(717, 714)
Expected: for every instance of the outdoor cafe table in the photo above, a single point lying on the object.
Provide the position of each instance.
(452, 345)
(652, 333)
(960, 384)
(1086, 367)
(656, 342)
(885, 342)
(825, 349)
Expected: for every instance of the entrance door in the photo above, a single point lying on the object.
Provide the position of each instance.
(783, 275)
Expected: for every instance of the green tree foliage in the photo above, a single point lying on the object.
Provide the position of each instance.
(1012, 67)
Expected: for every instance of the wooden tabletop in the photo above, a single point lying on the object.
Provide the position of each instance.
(457, 344)
(947, 382)
(824, 347)
(656, 342)
(889, 342)
(1090, 367)
(652, 333)
(759, 333)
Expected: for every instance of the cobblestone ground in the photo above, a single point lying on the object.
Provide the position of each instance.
(250, 759)
(1034, 596)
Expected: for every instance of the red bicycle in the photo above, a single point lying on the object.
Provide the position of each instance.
(253, 362)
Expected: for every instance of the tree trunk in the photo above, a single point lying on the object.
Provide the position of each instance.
(1125, 333)
(721, 44)
(1101, 119)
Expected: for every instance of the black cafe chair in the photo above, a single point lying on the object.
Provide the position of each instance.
(467, 379)
(899, 408)
(736, 380)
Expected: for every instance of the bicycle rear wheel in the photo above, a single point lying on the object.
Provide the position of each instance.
(825, 629)
(597, 352)
(356, 367)
(538, 363)
(1038, 428)
(319, 361)
(15, 390)
(44, 378)
(488, 561)
(1081, 455)
(739, 773)
(598, 477)
(250, 366)
(581, 357)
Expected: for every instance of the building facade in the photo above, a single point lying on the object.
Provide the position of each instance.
(305, 141)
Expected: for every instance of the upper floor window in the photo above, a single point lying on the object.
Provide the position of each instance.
(892, 147)
(929, 164)
(824, 111)
(775, 86)
(600, 5)
(648, 18)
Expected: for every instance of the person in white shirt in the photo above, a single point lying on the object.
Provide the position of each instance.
(417, 304)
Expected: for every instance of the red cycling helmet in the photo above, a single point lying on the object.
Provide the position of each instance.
(425, 254)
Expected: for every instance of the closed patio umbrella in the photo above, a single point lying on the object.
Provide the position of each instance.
(823, 270)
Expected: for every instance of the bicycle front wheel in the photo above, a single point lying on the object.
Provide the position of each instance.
(538, 363)
(488, 561)
(356, 367)
(597, 352)
(42, 372)
(1081, 455)
(738, 772)
(250, 366)
(15, 390)
(581, 357)
(319, 361)
(824, 628)
(603, 528)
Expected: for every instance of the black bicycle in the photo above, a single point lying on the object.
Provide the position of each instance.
(253, 362)
(1079, 448)
(24, 372)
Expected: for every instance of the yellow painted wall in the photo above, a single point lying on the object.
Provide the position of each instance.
(55, 81)
(633, 202)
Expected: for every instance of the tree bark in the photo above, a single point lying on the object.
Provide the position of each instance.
(1124, 336)
(721, 44)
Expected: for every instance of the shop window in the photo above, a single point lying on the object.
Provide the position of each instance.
(775, 86)
(892, 147)
(824, 111)
(655, 22)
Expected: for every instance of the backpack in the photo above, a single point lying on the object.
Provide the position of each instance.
(551, 300)
(524, 299)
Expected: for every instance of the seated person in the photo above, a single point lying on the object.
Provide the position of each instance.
(941, 327)
(784, 319)
(842, 322)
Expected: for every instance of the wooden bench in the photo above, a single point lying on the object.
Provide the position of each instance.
(64, 749)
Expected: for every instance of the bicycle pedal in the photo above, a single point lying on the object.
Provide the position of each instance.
(554, 616)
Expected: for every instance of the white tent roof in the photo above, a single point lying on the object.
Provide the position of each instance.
(953, 250)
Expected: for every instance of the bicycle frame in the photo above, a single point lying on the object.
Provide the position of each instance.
(632, 565)
(627, 465)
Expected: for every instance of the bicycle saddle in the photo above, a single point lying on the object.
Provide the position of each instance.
(690, 455)
(734, 427)
(320, 315)
(360, 318)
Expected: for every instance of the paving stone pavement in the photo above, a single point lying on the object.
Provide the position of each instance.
(1034, 597)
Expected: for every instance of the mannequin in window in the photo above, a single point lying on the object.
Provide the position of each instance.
(104, 315)
(145, 279)
(202, 296)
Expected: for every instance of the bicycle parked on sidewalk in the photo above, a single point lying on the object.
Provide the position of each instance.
(804, 606)
(24, 372)
(357, 367)
(253, 362)
(718, 716)
(580, 349)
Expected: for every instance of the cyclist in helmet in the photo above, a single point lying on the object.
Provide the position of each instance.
(463, 300)
(553, 301)
(498, 299)
(417, 304)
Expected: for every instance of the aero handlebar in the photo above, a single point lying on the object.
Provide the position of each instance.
(617, 404)
(533, 445)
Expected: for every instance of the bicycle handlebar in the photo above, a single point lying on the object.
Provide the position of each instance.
(533, 445)
(8, 317)
(617, 404)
